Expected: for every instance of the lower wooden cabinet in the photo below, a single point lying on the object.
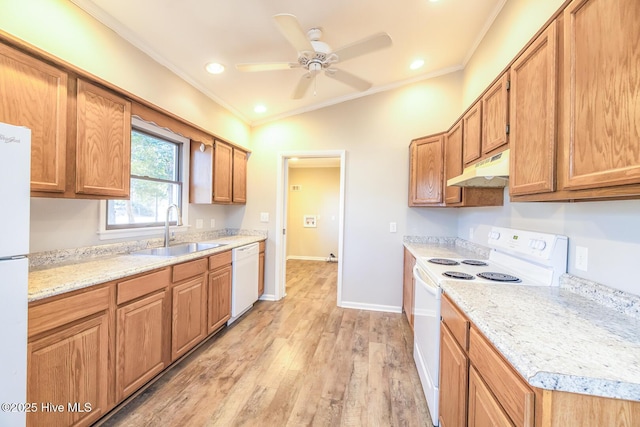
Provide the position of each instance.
(484, 409)
(454, 370)
(141, 330)
(408, 286)
(67, 359)
(140, 343)
(261, 269)
(189, 314)
(219, 305)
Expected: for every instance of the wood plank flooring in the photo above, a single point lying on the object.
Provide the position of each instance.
(301, 361)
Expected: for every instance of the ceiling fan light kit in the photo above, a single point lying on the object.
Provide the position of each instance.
(315, 55)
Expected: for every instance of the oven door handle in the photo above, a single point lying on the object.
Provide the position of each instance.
(426, 284)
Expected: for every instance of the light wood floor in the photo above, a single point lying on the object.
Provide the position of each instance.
(296, 362)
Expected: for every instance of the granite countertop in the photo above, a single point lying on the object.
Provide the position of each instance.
(555, 337)
(61, 278)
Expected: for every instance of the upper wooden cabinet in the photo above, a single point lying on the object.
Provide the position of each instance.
(218, 173)
(34, 95)
(239, 187)
(103, 142)
(495, 115)
(534, 87)
(601, 94)
(425, 170)
(595, 155)
(472, 138)
(453, 143)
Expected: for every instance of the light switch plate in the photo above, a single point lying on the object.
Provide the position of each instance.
(213, 223)
(199, 223)
(393, 227)
(264, 216)
(582, 258)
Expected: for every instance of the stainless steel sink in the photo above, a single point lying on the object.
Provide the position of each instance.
(177, 250)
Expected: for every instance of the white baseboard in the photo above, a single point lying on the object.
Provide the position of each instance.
(267, 297)
(371, 307)
(309, 258)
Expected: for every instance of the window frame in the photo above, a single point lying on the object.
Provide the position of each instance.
(148, 229)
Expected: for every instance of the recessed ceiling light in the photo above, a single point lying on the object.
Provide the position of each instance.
(260, 108)
(214, 68)
(418, 63)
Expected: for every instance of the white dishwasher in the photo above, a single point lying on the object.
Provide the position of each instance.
(244, 282)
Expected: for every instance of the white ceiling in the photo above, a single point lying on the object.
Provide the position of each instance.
(184, 35)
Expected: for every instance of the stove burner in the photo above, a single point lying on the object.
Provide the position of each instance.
(499, 277)
(458, 275)
(474, 262)
(443, 261)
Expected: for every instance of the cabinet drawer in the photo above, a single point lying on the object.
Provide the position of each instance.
(456, 322)
(510, 389)
(50, 315)
(219, 260)
(143, 285)
(189, 269)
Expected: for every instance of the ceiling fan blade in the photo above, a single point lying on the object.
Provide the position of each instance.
(348, 79)
(293, 32)
(267, 66)
(364, 46)
(303, 86)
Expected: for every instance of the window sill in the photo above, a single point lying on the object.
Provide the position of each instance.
(139, 232)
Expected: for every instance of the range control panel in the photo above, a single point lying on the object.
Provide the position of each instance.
(534, 244)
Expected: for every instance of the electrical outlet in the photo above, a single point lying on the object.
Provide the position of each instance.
(199, 223)
(392, 227)
(213, 223)
(470, 233)
(582, 258)
(264, 216)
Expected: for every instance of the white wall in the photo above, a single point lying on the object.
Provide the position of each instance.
(608, 229)
(319, 195)
(375, 132)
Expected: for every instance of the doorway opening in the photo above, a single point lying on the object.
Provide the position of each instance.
(309, 218)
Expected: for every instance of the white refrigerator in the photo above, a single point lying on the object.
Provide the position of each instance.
(15, 176)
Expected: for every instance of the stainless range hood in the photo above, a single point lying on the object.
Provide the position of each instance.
(491, 172)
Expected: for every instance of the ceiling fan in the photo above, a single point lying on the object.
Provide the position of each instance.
(315, 55)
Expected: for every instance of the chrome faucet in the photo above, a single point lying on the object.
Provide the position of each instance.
(166, 223)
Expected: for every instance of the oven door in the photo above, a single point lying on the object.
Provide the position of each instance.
(426, 332)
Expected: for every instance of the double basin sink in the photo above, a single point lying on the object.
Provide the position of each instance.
(178, 250)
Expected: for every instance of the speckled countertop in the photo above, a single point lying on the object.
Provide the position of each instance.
(66, 277)
(575, 338)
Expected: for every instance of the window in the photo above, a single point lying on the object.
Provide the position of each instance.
(156, 180)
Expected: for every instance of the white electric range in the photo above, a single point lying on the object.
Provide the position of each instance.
(518, 257)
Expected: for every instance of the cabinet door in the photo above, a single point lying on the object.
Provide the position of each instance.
(103, 146)
(426, 171)
(601, 118)
(484, 409)
(219, 305)
(222, 172)
(261, 274)
(495, 115)
(472, 137)
(408, 286)
(533, 117)
(188, 315)
(67, 367)
(239, 176)
(140, 343)
(454, 368)
(453, 163)
(34, 94)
